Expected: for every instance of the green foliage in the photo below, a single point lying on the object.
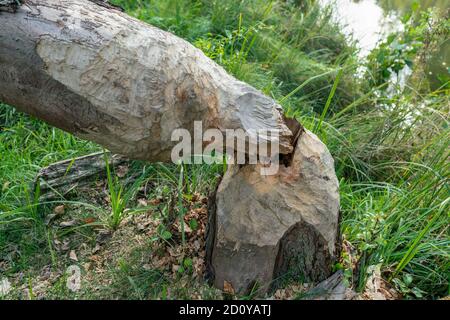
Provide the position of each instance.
(391, 148)
(118, 202)
(273, 45)
(121, 194)
(392, 55)
(422, 32)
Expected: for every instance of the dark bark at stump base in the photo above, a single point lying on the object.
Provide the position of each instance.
(302, 255)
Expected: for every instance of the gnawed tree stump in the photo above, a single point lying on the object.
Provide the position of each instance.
(109, 78)
(267, 226)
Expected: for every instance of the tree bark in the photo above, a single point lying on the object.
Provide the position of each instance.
(265, 230)
(115, 80)
(109, 78)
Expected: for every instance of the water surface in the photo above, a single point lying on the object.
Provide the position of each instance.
(369, 21)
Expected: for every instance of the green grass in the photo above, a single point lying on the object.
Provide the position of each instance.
(391, 149)
(120, 194)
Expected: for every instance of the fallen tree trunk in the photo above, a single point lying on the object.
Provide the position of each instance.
(58, 179)
(109, 78)
(115, 80)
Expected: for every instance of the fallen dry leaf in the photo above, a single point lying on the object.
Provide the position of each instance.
(155, 202)
(73, 255)
(122, 171)
(89, 220)
(5, 287)
(280, 294)
(142, 202)
(59, 210)
(376, 287)
(66, 224)
(228, 288)
(96, 249)
(65, 245)
(49, 218)
(175, 268)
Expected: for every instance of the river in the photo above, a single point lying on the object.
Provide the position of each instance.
(371, 20)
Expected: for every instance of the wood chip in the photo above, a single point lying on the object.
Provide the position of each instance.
(73, 255)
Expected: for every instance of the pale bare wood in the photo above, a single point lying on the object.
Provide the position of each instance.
(122, 83)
